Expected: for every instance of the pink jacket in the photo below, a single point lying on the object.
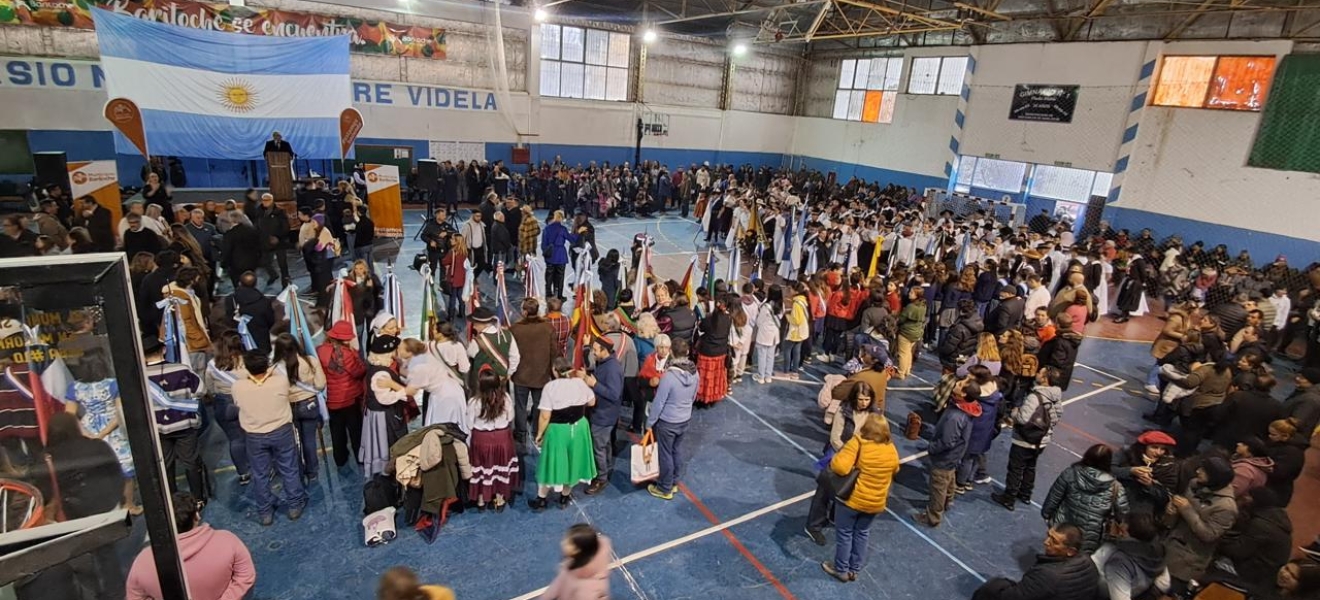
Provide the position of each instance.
(217, 564)
(1078, 313)
(591, 582)
(1250, 473)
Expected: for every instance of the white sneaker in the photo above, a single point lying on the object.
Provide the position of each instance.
(1153, 389)
(984, 480)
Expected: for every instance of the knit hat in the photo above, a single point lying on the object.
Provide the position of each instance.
(1218, 472)
(1311, 374)
(1156, 438)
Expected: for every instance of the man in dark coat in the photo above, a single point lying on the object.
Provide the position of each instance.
(961, 340)
(273, 225)
(248, 301)
(1132, 288)
(240, 248)
(1008, 313)
(96, 220)
(1260, 542)
(1061, 573)
(1061, 351)
(151, 291)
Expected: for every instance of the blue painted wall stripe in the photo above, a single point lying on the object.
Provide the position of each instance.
(1113, 194)
(948, 168)
(1147, 69)
(1130, 134)
(953, 144)
(1121, 166)
(971, 64)
(1138, 101)
(966, 92)
(959, 118)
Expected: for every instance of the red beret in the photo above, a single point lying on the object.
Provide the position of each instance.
(1156, 438)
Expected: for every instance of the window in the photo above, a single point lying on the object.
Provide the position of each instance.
(867, 89)
(1218, 82)
(999, 175)
(1062, 183)
(937, 75)
(584, 63)
(966, 167)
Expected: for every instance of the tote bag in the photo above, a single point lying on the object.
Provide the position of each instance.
(645, 462)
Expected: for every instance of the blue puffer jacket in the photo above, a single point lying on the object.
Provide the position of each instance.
(986, 426)
(552, 240)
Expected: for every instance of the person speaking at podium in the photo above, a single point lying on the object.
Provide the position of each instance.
(276, 143)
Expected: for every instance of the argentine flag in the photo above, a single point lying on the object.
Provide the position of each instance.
(210, 94)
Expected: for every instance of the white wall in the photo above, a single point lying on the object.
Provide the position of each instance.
(1107, 74)
(1192, 163)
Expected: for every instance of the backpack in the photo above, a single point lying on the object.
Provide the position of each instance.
(379, 493)
(1037, 426)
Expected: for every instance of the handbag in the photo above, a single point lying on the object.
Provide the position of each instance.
(1114, 526)
(845, 485)
(645, 462)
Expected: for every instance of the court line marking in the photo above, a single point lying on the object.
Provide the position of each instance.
(891, 512)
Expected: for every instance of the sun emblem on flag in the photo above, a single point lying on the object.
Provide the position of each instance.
(237, 95)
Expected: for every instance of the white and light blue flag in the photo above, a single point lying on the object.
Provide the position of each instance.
(211, 94)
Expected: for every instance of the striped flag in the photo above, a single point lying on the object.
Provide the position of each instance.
(875, 256)
(501, 295)
(393, 295)
(760, 260)
(176, 345)
(688, 285)
(301, 330)
(429, 302)
(735, 265)
(965, 251)
(641, 292)
(708, 279)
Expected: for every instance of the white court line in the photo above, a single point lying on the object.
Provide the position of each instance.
(904, 460)
(910, 389)
(1106, 374)
(791, 380)
(1115, 385)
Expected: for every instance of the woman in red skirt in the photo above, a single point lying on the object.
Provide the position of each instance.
(713, 353)
(495, 469)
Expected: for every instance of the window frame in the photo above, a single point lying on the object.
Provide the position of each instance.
(939, 75)
(851, 88)
(617, 64)
(1209, 88)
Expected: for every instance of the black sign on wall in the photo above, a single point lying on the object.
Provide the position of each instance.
(1037, 102)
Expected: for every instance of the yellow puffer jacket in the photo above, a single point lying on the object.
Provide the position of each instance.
(878, 463)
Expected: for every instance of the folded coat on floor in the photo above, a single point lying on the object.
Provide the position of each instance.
(440, 455)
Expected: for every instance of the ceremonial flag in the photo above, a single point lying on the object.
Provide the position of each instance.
(641, 292)
(393, 295)
(760, 260)
(301, 330)
(534, 281)
(501, 295)
(176, 344)
(875, 256)
(429, 302)
(735, 265)
(708, 279)
(688, 284)
(213, 94)
(966, 249)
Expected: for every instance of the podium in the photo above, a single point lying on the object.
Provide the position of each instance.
(279, 169)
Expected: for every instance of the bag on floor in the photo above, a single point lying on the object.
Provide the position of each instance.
(645, 462)
(379, 493)
(378, 527)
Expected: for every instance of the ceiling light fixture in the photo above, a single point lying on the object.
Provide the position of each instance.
(739, 49)
(649, 36)
(540, 15)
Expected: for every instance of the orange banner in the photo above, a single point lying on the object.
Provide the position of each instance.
(125, 116)
(384, 201)
(350, 124)
(100, 180)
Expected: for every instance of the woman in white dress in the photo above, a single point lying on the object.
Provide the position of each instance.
(445, 400)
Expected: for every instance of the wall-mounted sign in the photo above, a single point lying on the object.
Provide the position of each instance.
(1036, 102)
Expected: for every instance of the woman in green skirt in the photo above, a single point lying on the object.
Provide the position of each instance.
(564, 436)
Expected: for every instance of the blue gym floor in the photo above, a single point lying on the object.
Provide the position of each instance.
(736, 528)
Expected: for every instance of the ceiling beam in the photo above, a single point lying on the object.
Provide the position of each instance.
(983, 11)
(734, 13)
(820, 18)
(1076, 24)
(1201, 11)
(937, 24)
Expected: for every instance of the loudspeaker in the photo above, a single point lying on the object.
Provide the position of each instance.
(428, 175)
(52, 168)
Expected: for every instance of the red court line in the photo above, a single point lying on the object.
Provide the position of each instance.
(738, 545)
(765, 572)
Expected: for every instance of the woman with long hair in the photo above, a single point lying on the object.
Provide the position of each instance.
(366, 293)
(740, 340)
(306, 380)
(797, 316)
(1017, 367)
(854, 412)
(987, 355)
(80, 241)
(584, 573)
(1087, 495)
(872, 453)
(495, 471)
(139, 266)
(453, 276)
(839, 315)
(221, 372)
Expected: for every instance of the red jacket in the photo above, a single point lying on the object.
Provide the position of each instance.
(452, 264)
(344, 373)
(837, 308)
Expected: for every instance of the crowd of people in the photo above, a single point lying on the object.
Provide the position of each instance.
(848, 277)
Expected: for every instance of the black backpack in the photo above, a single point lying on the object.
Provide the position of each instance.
(379, 493)
(1037, 426)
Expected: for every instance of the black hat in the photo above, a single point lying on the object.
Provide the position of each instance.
(482, 315)
(384, 344)
(1218, 472)
(1009, 289)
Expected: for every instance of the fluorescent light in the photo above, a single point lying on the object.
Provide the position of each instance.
(739, 49)
(649, 36)
(540, 14)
